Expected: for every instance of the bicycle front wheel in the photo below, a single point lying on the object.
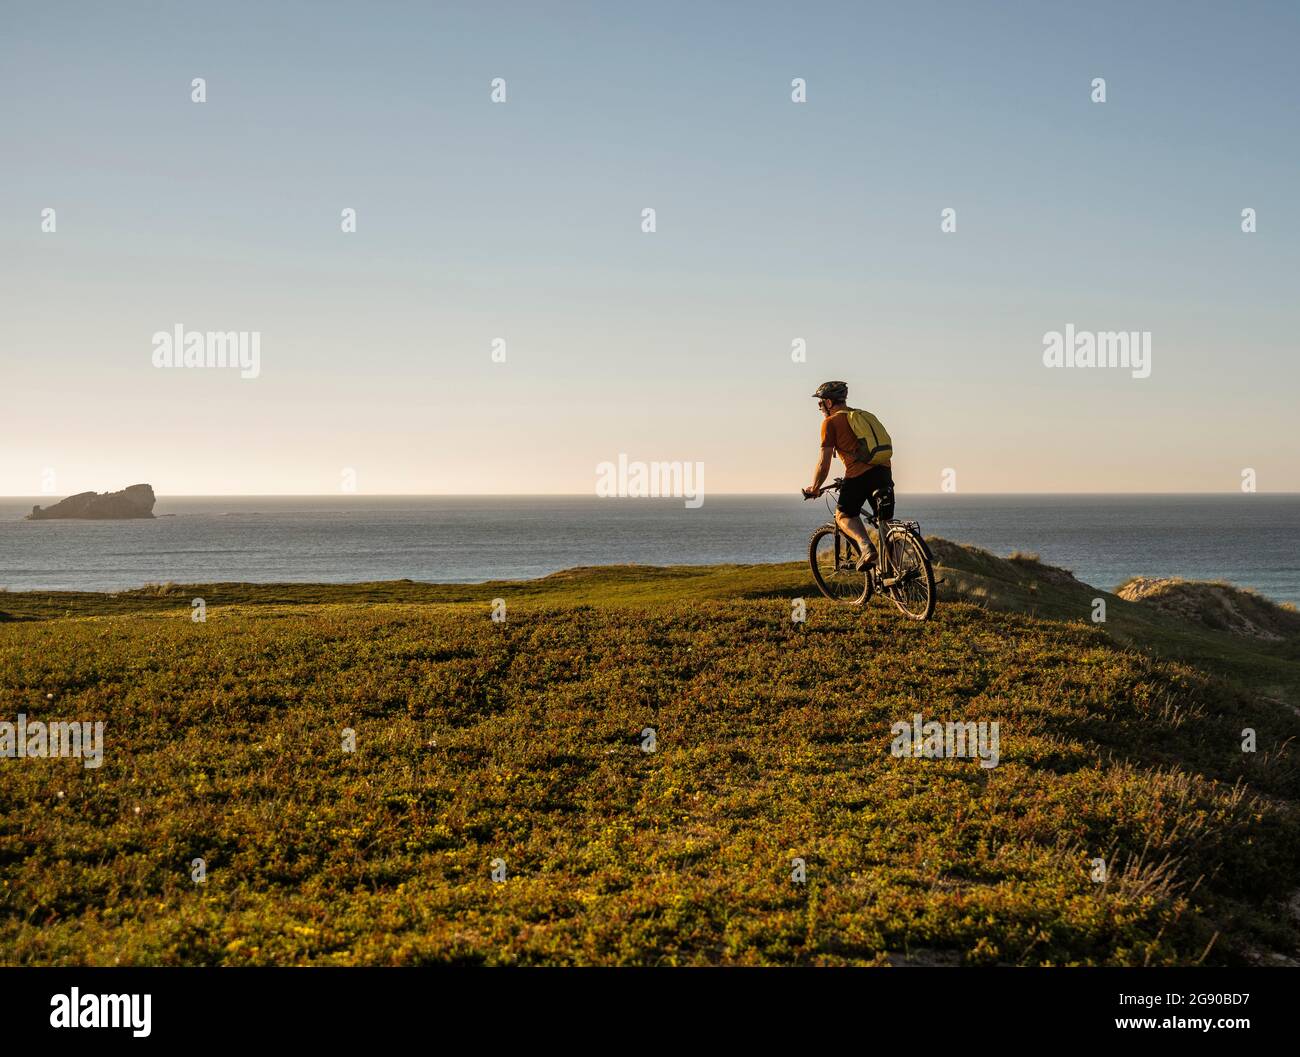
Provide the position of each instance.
(913, 592)
(833, 556)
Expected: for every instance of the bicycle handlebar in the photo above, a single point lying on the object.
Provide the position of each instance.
(826, 488)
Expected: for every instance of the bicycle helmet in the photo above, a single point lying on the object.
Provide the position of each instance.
(836, 391)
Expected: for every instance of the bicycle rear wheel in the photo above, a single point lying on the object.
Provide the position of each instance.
(914, 590)
(833, 557)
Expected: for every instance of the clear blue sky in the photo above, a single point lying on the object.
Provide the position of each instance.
(521, 220)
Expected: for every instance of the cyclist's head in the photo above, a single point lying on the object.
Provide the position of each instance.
(831, 394)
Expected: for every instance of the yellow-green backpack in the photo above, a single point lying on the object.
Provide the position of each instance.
(874, 445)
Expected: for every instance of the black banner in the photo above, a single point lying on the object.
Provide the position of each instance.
(1217, 1007)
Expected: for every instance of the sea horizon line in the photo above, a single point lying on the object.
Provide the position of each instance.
(593, 495)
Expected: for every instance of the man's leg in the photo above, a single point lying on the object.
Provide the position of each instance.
(855, 529)
(848, 516)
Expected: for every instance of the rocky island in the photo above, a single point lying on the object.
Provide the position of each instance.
(133, 502)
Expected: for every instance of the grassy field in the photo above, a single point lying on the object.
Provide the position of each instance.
(523, 743)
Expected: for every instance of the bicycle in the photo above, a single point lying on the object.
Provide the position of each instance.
(903, 571)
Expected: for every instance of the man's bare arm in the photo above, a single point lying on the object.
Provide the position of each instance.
(822, 468)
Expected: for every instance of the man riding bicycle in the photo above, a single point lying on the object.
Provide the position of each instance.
(867, 473)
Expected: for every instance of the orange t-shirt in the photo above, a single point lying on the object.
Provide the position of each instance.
(837, 433)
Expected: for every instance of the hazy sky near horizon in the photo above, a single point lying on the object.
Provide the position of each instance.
(522, 220)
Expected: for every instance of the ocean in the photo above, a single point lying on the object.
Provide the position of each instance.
(1248, 540)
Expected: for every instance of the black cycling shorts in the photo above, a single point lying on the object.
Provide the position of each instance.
(856, 492)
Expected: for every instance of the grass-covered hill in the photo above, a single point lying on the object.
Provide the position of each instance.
(522, 744)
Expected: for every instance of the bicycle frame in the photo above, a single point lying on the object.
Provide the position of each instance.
(871, 521)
